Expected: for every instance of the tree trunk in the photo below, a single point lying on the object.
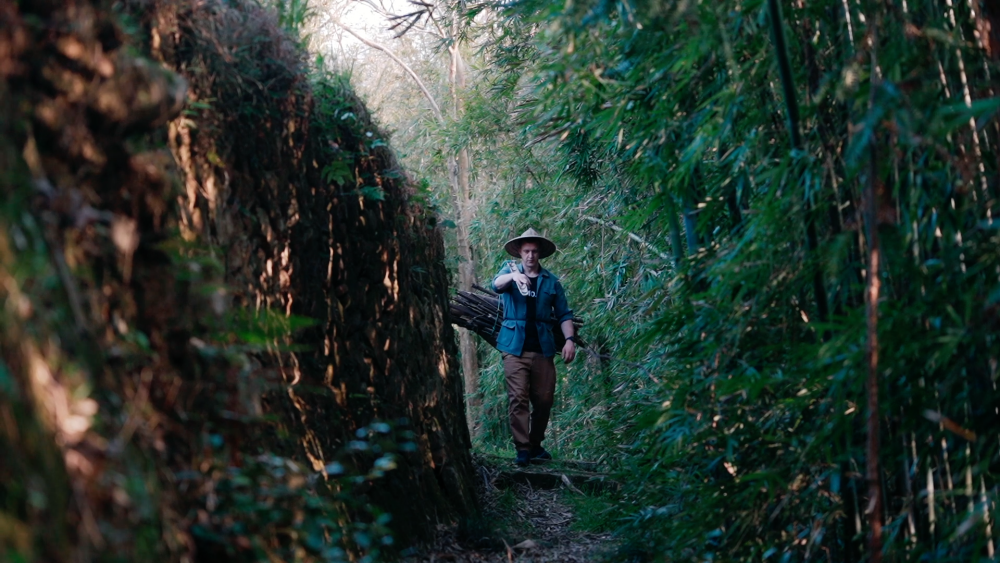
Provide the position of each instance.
(464, 212)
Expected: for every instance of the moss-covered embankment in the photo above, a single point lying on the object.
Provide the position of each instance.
(171, 197)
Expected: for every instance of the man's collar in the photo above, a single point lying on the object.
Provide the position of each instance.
(541, 271)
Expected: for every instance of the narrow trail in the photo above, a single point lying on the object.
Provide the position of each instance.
(527, 518)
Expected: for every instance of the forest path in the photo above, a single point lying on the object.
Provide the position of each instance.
(527, 517)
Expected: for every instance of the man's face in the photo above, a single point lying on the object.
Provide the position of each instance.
(529, 254)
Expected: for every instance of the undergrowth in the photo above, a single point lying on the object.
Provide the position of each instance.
(594, 512)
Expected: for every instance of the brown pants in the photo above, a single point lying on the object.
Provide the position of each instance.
(530, 377)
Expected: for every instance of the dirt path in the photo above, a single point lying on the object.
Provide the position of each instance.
(521, 523)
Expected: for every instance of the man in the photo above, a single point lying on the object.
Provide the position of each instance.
(527, 343)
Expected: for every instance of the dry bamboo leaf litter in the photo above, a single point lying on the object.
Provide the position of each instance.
(539, 531)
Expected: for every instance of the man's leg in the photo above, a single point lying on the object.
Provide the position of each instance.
(542, 392)
(517, 370)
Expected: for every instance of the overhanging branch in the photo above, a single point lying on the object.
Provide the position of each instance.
(397, 60)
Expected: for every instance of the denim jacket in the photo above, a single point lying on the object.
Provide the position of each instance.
(551, 310)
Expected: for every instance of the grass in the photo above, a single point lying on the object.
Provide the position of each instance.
(595, 513)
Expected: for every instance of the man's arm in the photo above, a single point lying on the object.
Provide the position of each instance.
(504, 276)
(503, 281)
(565, 316)
(569, 348)
(567, 328)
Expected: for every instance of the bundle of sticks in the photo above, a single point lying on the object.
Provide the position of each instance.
(482, 313)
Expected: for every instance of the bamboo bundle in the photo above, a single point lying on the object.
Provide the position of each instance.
(482, 313)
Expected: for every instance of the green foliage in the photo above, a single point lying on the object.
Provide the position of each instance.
(271, 507)
(337, 172)
(293, 15)
(604, 273)
(594, 513)
(732, 408)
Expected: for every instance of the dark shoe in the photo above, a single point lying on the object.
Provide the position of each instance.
(522, 458)
(539, 453)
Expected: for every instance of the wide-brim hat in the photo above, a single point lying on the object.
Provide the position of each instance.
(546, 247)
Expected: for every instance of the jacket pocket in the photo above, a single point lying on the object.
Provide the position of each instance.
(506, 336)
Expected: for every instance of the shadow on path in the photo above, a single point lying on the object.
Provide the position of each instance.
(525, 519)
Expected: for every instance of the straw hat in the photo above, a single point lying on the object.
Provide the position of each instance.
(546, 247)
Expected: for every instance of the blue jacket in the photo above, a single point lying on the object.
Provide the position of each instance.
(550, 310)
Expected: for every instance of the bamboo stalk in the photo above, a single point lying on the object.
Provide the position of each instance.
(792, 107)
(931, 513)
(990, 549)
(967, 98)
(873, 282)
(676, 246)
(911, 522)
(948, 482)
(642, 242)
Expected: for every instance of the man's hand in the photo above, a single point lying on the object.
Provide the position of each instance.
(520, 278)
(568, 351)
(502, 282)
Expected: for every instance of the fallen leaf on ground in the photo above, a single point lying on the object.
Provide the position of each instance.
(526, 544)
